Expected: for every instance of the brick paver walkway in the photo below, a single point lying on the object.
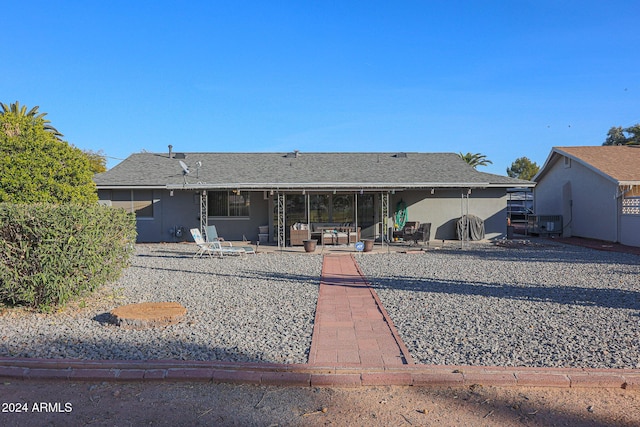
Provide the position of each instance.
(351, 326)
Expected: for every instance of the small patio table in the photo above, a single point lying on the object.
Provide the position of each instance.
(338, 235)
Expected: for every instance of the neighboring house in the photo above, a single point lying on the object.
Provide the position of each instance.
(242, 192)
(595, 189)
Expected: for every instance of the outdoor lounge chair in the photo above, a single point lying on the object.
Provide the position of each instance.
(203, 247)
(416, 232)
(216, 247)
(212, 236)
(221, 249)
(409, 228)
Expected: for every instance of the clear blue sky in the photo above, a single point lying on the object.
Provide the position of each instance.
(503, 78)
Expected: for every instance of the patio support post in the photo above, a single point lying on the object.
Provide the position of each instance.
(384, 213)
(281, 221)
(355, 210)
(464, 215)
(204, 213)
(308, 213)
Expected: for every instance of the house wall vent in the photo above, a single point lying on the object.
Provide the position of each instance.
(400, 155)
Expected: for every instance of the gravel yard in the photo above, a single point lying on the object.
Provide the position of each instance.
(545, 305)
(250, 309)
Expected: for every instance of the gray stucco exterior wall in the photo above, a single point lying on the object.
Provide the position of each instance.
(174, 214)
(444, 207)
(586, 200)
(630, 230)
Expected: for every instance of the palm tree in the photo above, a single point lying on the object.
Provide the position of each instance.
(16, 109)
(475, 160)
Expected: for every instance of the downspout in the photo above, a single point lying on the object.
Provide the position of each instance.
(619, 201)
(355, 210)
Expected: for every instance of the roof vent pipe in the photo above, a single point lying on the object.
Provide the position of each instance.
(170, 151)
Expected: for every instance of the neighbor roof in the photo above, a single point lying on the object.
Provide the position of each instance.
(619, 163)
(299, 170)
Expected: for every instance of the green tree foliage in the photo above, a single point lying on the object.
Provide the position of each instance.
(36, 165)
(475, 160)
(52, 253)
(97, 160)
(618, 135)
(523, 168)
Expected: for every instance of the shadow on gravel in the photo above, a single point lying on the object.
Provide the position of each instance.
(164, 349)
(105, 319)
(166, 254)
(569, 295)
(549, 253)
(242, 274)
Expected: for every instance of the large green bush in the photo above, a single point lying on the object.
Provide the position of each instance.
(51, 253)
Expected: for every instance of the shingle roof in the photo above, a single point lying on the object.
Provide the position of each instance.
(619, 162)
(285, 170)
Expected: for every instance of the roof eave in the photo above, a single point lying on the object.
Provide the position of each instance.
(130, 187)
(342, 186)
(558, 152)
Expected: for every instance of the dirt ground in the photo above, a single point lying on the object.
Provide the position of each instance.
(59, 403)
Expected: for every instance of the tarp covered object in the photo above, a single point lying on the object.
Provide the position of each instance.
(475, 229)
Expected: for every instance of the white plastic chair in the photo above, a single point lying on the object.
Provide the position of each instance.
(204, 247)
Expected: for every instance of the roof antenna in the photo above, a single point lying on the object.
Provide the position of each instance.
(185, 170)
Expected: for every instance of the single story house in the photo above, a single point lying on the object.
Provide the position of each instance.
(265, 195)
(595, 189)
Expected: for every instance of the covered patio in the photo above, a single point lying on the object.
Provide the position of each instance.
(332, 217)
